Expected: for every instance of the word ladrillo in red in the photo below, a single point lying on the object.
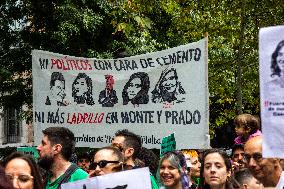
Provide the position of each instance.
(78, 118)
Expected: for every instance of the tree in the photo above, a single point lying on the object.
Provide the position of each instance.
(103, 28)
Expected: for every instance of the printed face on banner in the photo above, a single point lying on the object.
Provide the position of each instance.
(169, 83)
(280, 58)
(134, 88)
(57, 91)
(109, 82)
(80, 87)
(168, 89)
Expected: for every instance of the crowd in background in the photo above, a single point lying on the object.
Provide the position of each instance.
(245, 168)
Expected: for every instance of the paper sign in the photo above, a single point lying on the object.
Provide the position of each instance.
(130, 179)
(271, 56)
(168, 144)
(29, 150)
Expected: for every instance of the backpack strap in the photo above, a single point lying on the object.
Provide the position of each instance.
(67, 175)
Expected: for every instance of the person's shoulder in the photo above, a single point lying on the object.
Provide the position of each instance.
(280, 184)
(79, 174)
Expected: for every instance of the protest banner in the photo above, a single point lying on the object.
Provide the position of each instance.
(153, 95)
(168, 144)
(271, 57)
(140, 179)
(29, 150)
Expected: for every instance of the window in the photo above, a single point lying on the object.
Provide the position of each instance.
(12, 125)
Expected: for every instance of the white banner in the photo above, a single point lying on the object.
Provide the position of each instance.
(153, 95)
(271, 56)
(140, 179)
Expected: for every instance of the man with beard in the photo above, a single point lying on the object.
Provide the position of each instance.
(129, 144)
(55, 150)
(267, 170)
(238, 157)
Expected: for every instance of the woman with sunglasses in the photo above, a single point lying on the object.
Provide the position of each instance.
(22, 171)
(216, 169)
(106, 160)
(172, 172)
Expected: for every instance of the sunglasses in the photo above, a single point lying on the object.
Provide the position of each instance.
(256, 156)
(20, 178)
(101, 164)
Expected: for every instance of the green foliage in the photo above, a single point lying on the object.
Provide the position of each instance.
(103, 28)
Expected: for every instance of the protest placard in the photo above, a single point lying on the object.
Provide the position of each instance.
(168, 144)
(271, 57)
(31, 150)
(153, 95)
(140, 179)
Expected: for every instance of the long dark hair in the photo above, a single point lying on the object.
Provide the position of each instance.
(142, 97)
(4, 182)
(228, 165)
(87, 97)
(38, 181)
(274, 66)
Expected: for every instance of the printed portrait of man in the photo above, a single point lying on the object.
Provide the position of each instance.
(57, 90)
(107, 97)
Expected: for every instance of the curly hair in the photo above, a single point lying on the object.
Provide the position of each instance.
(149, 158)
(248, 122)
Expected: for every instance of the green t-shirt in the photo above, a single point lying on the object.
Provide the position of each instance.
(79, 174)
(154, 182)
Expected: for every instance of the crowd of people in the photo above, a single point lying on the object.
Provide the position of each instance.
(245, 168)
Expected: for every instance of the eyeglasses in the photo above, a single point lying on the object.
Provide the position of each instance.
(256, 156)
(101, 164)
(20, 178)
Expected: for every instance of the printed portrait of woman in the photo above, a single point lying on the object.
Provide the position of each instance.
(277, 66)
(136, 89)
(82, 90)
(168, 88)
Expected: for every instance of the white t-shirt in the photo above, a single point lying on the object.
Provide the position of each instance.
(280, 183)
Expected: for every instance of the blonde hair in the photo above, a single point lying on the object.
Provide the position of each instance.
(191, 153)
(248, 122)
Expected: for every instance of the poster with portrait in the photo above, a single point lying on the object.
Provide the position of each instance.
(140, 179)
(271, 57)
(153, 95)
